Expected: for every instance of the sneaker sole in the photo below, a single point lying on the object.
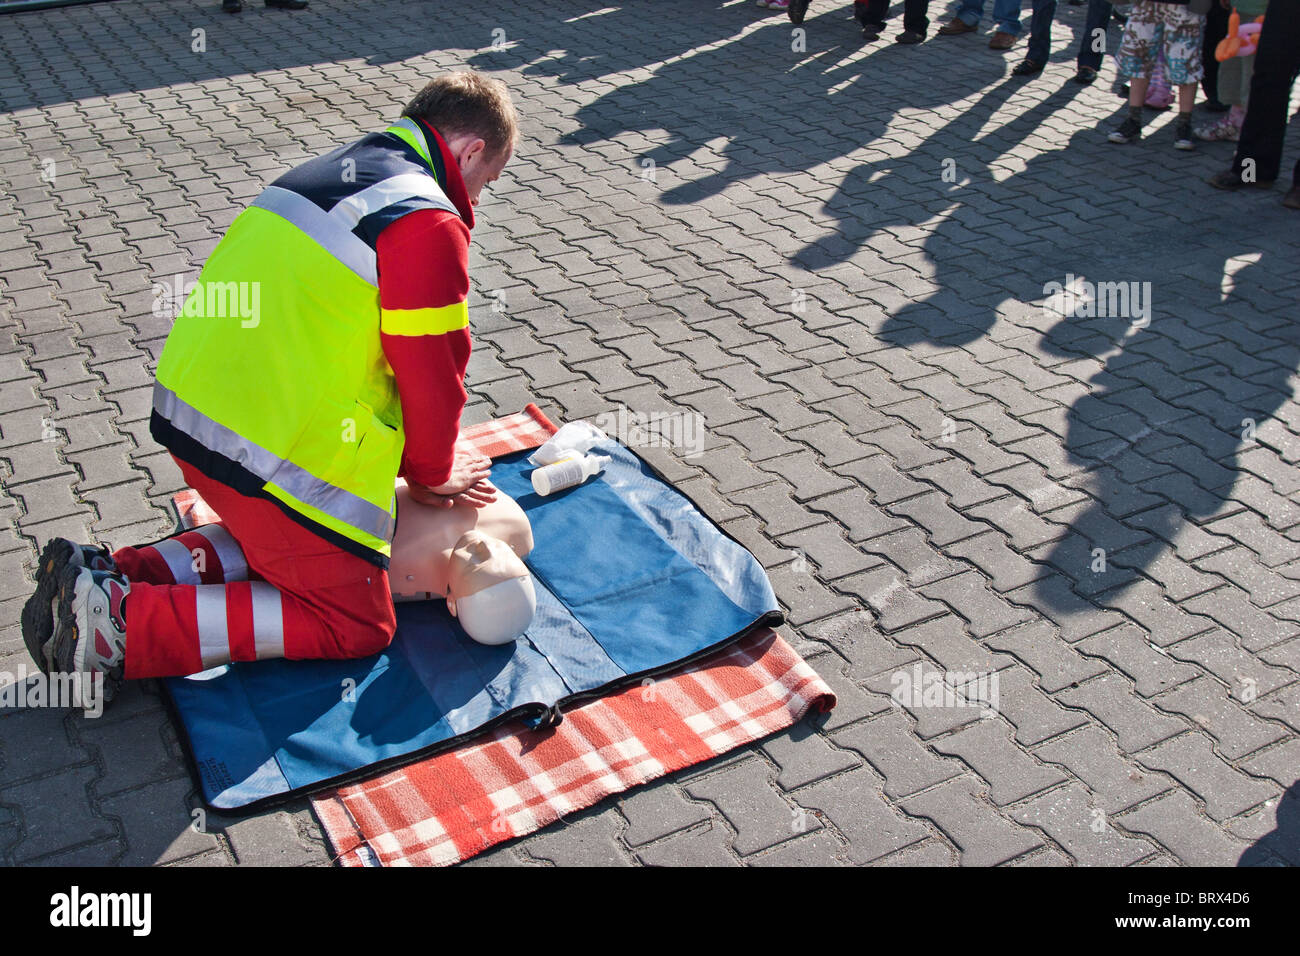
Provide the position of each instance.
(38, 617)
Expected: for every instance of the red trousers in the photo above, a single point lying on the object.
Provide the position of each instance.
(255, 586)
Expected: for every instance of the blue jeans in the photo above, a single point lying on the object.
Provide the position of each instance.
(1098, 19)
(1040, 31)
(1006, 14)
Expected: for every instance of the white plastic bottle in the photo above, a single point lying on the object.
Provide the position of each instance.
(567, 473)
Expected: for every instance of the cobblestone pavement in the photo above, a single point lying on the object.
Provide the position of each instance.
(838, 255)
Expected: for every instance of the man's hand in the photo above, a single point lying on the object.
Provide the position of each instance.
(468, 484)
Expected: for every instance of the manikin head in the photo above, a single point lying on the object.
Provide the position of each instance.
(489, 589)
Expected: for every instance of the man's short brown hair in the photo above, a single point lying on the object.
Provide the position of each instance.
(467, 102)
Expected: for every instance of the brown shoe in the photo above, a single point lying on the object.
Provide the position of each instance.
(1292, 199)
(956, 28)
(1002, 41)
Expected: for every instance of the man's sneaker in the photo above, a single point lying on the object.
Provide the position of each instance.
(1128, 131)
(781, 6)
(38, 615)
(90, 634)
(1085, 76)
(1183, 137)
(1002, 40)
(909, 38)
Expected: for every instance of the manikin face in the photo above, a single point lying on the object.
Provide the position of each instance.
(479, 561)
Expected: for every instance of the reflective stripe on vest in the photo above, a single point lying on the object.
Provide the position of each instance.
(300, 484)
(333, 230)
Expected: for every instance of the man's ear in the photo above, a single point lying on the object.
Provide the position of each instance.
(472, 150)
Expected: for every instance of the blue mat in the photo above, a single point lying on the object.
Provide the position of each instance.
(631, 580)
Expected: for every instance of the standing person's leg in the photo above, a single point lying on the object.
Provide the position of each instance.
(916, 19)
(1092, 45)
(967, 18)
(1006, 16)
(871, 14)
(1216, 28)
(1184, 33)
(1277, 59)
(1143, 33)
(1040, 38)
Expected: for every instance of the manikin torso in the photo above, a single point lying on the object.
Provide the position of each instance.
(426, 537)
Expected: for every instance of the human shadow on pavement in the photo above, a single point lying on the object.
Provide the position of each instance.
(820, 115)
(949, 177)
(1164, 428)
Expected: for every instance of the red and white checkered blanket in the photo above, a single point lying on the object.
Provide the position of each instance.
(508, 783)
(447, 808)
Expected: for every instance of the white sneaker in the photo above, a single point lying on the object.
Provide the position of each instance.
(90, 636)
(41, 609)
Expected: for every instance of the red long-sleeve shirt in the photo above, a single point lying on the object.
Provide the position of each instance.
(423, 261)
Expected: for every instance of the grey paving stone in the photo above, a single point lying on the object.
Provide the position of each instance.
(1232, 609)
(271, 838)
(656, 811)
(35, 742)
(56, 814)
(1111, 701)
(158, 824)
(1175, 822)
(1034, 716)
(934, 852)
(1081, 828)
(1220, 653)
(804, 756)
(590, 841)
(707, 846)
(941, 712)
(906, 766)
(857, 811)
(1055, 663)
(1131, 651)
(745, 796)
(1190, 760)
(1207, 703)
(815, 849)
(982, 836)
(1012, 774)
(887, 592)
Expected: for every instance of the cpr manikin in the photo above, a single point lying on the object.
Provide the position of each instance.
(472, 556)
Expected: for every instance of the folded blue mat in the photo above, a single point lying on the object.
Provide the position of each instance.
(631, 580)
